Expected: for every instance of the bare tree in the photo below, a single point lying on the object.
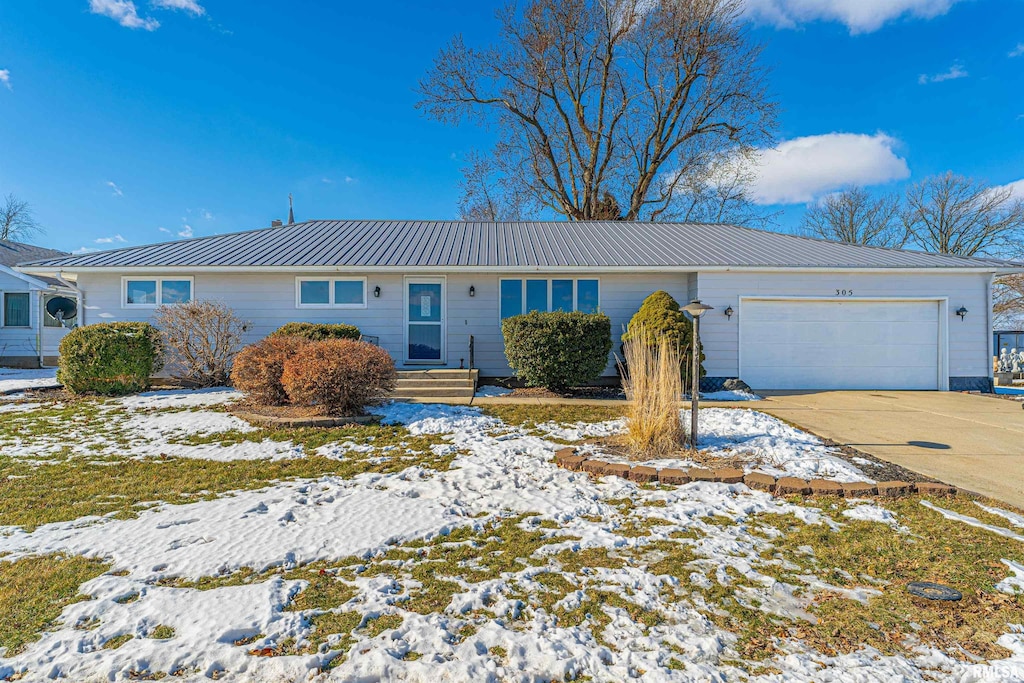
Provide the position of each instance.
(201, 338)
(854, 216)
(486, 195)
(591, 99)
(953, 214)
(16, 219)
(1008, 300)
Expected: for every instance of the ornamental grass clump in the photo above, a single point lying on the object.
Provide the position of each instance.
(653, 386)
(338, 377)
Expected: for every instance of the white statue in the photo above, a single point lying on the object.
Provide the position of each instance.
(1004, 360)
(1016, 360)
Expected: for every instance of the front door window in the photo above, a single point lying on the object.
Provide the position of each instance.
(425, 333)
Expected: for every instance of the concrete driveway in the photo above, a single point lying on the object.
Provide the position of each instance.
(973, 442)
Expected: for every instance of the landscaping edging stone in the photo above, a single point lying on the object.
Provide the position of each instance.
(570, 459)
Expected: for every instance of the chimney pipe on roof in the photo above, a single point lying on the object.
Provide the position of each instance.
(276, 223)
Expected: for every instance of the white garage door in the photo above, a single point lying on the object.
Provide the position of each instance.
(788, 344)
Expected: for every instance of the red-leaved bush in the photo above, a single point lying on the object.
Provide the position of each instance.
(258, 368)
(338, 377)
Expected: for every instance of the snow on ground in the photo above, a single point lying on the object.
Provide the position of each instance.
(19, 407)
(491, 390)
(498, 471)
(764, 443)
(730, 396)
(180, 398)
(15, 379)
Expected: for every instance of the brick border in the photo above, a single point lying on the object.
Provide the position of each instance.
(570, 459)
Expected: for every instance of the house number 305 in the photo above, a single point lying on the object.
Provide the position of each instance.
(844, 292)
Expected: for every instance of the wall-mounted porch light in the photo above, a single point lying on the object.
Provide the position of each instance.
(728, 312)
(472, 290)
(376, 292)
(961, 312)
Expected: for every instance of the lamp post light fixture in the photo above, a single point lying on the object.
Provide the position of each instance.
(962, 312)
(696, 309)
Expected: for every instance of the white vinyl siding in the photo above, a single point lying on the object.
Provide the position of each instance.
(968, 340)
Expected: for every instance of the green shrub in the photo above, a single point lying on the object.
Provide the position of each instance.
(338, 377)
(660, 318)
(557, 350)
(112, 359)
(319, 331)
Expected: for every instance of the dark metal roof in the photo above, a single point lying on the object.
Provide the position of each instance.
(526, 245)
(13, 253)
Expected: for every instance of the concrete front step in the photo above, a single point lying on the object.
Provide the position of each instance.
(439, 373)
(435, 383)
(453, 392)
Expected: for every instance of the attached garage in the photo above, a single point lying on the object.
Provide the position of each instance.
(842, 343)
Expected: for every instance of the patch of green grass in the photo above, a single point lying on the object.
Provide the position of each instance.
(34, 590)
(936, 549)
(117, 641)
(531, 415)
(161, 632)
(71, 488)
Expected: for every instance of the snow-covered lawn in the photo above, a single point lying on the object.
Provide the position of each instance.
(16, 380)
(457, 551)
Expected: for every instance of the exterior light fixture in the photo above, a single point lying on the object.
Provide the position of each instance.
(961, 312)
(728, 313)
(696, 309)
(472, 290)
(376, 292)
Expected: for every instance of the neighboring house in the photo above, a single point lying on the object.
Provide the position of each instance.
(789, 312)
(29, 337)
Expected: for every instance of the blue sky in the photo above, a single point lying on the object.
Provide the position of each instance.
(128, 122)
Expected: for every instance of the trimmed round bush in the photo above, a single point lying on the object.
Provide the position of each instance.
(557, 350)
(319, 331)
(660, 318)
(338, 377)
(112, 359)
(258, 368)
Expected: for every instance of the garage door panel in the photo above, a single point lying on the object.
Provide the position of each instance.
(793, 344)
(844, 332)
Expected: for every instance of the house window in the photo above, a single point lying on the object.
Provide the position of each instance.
(149, 292)
(16, 309)
(336, 292)
(559, 294)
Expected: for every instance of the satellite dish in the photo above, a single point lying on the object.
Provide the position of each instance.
(62, 308)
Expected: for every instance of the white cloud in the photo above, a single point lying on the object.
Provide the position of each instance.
(5, 78)
(123, 12)
(326, 181)
(163, 229)
(115, 190)
(860, 16)
(1017, 51)
(350, 179)
(1016, 189)
(800, 170)
(186, 231)
(956, 71)
(84, 250)
(110, 240)
(191, 6)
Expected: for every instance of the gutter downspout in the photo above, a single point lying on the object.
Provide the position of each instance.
(39, 325)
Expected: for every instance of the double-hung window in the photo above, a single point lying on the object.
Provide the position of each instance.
(16, 309)
(330, 292)
(548, 294)
(150, 292)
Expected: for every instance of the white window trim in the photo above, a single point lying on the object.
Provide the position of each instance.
(3, 310)
(330, 291)
(575, 291)
(159, 279)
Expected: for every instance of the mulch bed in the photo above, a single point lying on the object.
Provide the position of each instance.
(293, 416)
(610, 393)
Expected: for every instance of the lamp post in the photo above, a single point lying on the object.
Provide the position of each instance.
(696, 309)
